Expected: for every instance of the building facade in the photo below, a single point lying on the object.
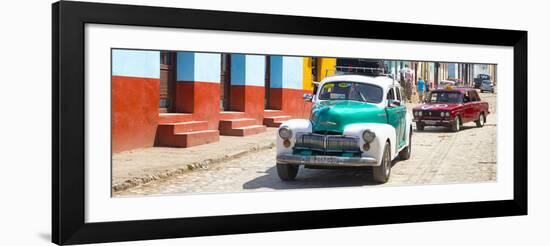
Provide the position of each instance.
(135, 88)
(183, 99)
(434, 72)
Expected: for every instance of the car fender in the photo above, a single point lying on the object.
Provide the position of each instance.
(295, 125)
(383, 133)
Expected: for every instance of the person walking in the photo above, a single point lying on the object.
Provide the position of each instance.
(421, 87)
(428, 87)
(407, 81)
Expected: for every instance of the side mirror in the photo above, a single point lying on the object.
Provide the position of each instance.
(308, 97)
(394, 103)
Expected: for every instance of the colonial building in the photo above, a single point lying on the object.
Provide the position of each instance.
(183, 99)
(434, 72)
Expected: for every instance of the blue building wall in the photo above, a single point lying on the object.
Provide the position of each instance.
(255, 70)
(199, 67)
(136, 63)
(286, 72)
(452, 70)
(247, 70)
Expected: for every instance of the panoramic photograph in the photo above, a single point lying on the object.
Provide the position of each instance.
(190, 122)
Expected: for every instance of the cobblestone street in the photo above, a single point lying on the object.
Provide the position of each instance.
(438, 157)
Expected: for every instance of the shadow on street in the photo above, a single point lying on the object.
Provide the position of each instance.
(442, 129)
(314, 178)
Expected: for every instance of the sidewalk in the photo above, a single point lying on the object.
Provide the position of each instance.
(140, 166)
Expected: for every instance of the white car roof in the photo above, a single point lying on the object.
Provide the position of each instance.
(382, 81)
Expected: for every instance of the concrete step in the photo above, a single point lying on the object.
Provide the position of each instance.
(174, 117)
(236, 123)
(276, 121)
(244, 131)
(273, 112)
(188, 139)
(187, 126)
(227, 115)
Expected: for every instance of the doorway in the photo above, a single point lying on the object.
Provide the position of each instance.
(267, 85)
(225, 82)
(167, 81)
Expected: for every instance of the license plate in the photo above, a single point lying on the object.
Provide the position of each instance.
(326, 159)
(430, 122)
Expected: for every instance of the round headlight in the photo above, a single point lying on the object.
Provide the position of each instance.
(442, 114)
(447, 114)
(415, 113)
(285, 132)
(419, 113)
(368, 136)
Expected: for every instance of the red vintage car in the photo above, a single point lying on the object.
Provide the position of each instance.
(451, 107)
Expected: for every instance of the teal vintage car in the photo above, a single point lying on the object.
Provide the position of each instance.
(356, 121)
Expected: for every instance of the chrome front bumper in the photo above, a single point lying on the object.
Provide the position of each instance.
(323, 160)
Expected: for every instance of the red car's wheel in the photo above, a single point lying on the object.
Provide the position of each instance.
(455, 126)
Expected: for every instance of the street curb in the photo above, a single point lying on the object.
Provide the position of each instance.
(185, 168)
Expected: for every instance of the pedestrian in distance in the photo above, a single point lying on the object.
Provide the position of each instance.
(407, 81)
(428, 87)
(421, 87)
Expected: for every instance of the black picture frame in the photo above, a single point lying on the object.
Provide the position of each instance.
(68, 107)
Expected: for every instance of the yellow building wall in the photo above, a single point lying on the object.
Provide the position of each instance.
(325, 67)
(307, 80)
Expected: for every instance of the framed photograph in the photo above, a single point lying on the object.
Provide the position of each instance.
(173, 122)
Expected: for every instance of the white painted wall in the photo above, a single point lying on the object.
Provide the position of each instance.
(480, 69)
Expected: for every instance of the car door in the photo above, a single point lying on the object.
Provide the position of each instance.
(402, 114)
(394, 115)
(476, 105)
(468, 107)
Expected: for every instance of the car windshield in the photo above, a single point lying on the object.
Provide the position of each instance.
(344, 90)
(445, 97)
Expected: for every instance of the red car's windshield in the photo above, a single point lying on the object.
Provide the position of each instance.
(445, 97)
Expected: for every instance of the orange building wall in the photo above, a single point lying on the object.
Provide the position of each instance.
(135, 103)
(200, 98)
(248, 99)
(291, 102)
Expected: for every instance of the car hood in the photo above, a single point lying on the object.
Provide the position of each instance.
(333, 116)
(438, 106)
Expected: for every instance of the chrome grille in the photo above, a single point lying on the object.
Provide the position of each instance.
(431, 113)
(313, 141)
(328, 143)
(341, 143)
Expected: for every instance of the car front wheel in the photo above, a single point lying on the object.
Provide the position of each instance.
(381, 174)
(287, 172)
(455, 126)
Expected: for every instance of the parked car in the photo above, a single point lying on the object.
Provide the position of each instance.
(451, 108)
(356, 121)
(446, 83)
(479, 78)
(487, 85)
